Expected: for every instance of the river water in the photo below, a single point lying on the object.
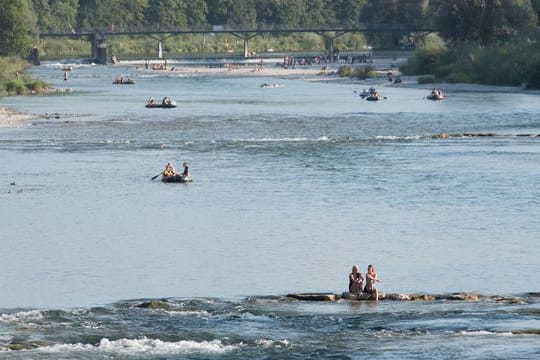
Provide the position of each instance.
(292, 186)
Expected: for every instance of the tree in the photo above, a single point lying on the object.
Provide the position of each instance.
(18, 29)
(166, 14)
(482, 21)
(196, 11)
(110, 15)
(346, 13)
(388, 14)
(232, 12)
(56, 15)
(536, 6)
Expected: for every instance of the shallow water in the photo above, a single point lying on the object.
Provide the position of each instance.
(292, 186)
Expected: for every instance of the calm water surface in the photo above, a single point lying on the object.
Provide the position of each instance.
(292, 186)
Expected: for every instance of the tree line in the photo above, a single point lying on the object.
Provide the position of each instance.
(457, 21)
(469, 33)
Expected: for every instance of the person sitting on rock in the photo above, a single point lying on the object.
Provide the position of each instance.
(371, 279)
(355, 281)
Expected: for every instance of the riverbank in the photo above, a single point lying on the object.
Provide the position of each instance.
(245, 70)
(10, 118)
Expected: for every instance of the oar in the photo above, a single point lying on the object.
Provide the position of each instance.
(155, 176)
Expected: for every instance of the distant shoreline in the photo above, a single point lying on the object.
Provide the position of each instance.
(10, 118)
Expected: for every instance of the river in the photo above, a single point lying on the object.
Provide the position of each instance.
(292, 186)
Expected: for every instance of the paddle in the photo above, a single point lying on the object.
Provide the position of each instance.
(155, 176)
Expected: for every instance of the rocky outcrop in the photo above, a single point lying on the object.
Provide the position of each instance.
(314, 296)
(460, 296)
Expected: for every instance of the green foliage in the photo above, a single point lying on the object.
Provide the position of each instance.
(390, 13)
(482, 21)
(458, 77)
(511, 63)
(16, 87)
(56, 15)
(10, 69)
(426, 79)
(428, 56)
(360, 72)
(25, 86)
(345, 71)
(17, 27)
(365, 72)
(64, 48)
(35, 85)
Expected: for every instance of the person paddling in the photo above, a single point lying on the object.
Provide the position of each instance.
(169, 170)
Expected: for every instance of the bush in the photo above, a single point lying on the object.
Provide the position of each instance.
(458, 77)
(426, 79)
(428, 56)
(16, 87)
(36, 86)
(365, 72)
(345, 71)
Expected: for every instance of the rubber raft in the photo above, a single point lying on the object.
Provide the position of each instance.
(170, 105)
(176, 179)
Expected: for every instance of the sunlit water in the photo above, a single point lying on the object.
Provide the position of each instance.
(292, 186)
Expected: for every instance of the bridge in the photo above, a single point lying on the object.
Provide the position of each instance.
(98, 38)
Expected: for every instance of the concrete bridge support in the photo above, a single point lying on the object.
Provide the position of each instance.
(99, 49)
(33, 58)
(246, 37)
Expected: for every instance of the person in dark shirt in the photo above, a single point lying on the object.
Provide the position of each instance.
(355, 281)
(185, 173)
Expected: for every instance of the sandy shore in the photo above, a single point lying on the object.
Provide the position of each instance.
(12, 119)
(251, 70)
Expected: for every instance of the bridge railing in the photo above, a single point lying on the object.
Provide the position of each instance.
(157, 29)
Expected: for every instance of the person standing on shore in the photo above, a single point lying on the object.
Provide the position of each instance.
(371, 279)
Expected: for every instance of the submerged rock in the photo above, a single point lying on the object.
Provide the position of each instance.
(313, 296)
(154, 304)
(462, 297)
(361, 296)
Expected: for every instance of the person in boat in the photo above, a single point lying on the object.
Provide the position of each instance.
(166, 101)
(151, 100)
(169, 170)
(355, 281)
(185, 173)
(373, 92)
(371, 279)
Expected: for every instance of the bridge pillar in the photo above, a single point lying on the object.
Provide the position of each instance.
(99, 49)
(246, 48)
(33, 58)
(160, 49)
(329, 44)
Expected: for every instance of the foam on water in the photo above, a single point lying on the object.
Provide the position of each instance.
(146, 346)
